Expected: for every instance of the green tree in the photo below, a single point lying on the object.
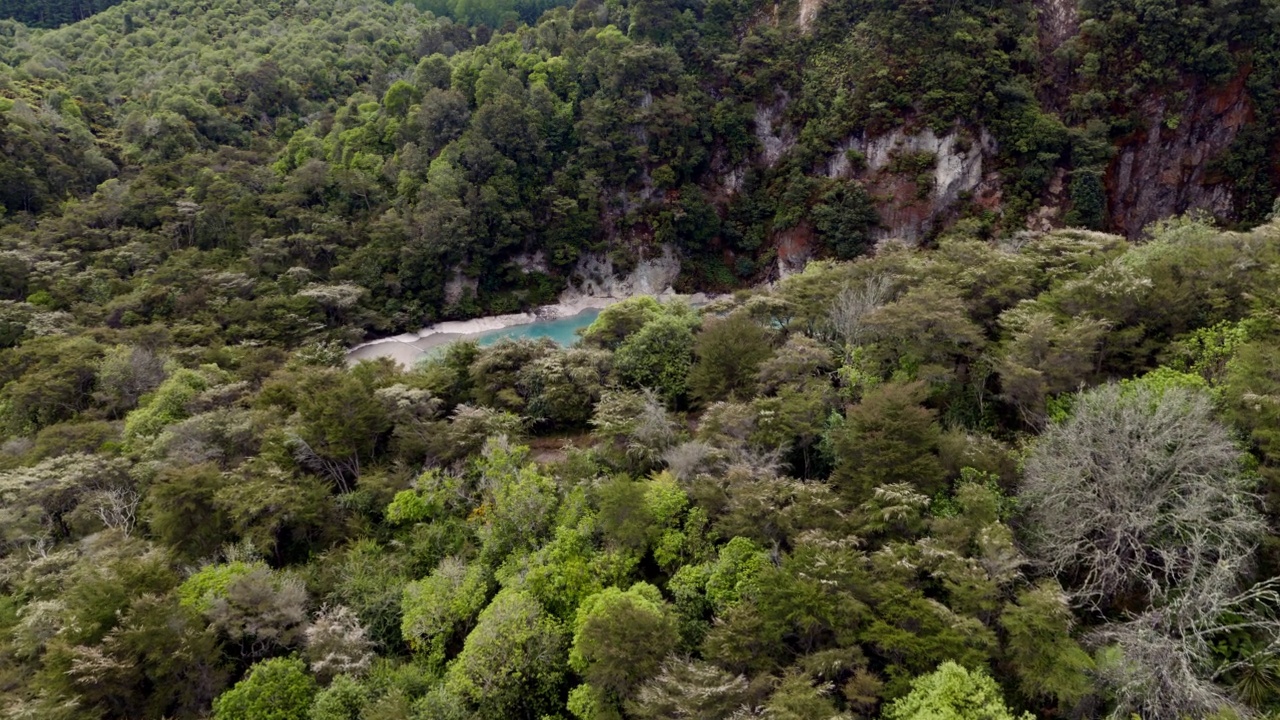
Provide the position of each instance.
(1044, 656)
(440, 609)
(657, 357)
(180, 510)
(342, 700)
(620, 320)
(843, 219)
(620, 638)
(513, 662)
(729, 352)
(887, 438)
(275, 689)
(952, 693)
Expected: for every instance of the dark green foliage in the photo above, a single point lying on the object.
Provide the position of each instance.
(843, 219)
(1088, 200)
(729, 350)
(53, 13)
(888, 438)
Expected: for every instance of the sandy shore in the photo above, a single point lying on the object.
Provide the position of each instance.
(407, 348)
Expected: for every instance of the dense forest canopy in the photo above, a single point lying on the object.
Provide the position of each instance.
(374, 146)
(1013, 466)
(51, 13)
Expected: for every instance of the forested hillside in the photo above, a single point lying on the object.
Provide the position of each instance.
(51, 13)
(984, 425)
(875, 491)
(437, 169)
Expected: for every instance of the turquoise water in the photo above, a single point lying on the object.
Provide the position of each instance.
(562, 330)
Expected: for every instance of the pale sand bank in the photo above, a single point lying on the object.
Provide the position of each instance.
(407, 348)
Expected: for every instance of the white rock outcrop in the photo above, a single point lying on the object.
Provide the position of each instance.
(595, 277)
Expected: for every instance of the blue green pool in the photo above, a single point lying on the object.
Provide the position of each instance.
(562, 330)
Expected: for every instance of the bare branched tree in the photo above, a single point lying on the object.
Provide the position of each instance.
(687, 459)
(1140, 491)
(846, 318)
(337, 643)
(1168, 664)
(341, 472)
(117, 508)
(690, 689)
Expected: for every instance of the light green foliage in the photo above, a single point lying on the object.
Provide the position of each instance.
(952, 693)
(1162, 380)
(619, 640)
(1047, 660)
(1251, 396)
(211, 582)
(276, 689)
(735, 573)
(519, 500)
(439, 607)
(167, 405)
(666, 503)
(369, 580)
(564, 571)
(512, 662)
(342, 700)
(620, 320)
(408, 506)
(664, 500)
(467, 430)
(203, 204)
(1208, 351)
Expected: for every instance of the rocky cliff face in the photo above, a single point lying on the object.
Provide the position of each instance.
(596, 276)
(1163, 169)
(918, 178)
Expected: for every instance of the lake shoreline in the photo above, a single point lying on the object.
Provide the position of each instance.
(407, 348)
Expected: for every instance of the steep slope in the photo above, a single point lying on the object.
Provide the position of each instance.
(415, 160)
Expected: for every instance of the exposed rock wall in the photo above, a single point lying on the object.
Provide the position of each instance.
(909, 209)
(596, 277)
(1163, 169)
(1059, 21)
(809, 10)
(776, 136)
